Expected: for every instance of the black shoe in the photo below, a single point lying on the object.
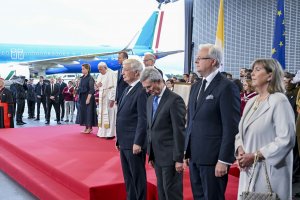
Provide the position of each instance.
(66, 120)
(58, 122)
(19, 123)
(23, 122)
(55, 120)
(110, 138)
(47, 122)
(37, 119)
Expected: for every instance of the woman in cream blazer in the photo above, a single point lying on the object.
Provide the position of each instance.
(267, 133)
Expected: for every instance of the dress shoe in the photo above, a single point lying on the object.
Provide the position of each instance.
(19, 123)
(66, 120)
(23, 122)
(47, 122)
(110, 138)
(37, 119)
(58, 122)
(71, 120)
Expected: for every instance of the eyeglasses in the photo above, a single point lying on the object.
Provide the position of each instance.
(146, 60)
(205, 58)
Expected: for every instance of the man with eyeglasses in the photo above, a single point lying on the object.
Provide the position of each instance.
(213, 117)
(149, 61)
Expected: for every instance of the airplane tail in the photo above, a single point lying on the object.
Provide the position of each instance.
(150, 36)
(146, 37)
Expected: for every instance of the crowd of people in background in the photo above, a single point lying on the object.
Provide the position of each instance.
(221, 128)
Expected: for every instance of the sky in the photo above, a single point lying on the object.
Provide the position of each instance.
(92, 22)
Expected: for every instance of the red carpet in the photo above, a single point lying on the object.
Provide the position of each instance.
(58, 162)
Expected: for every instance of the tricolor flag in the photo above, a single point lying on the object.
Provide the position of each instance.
(278, 48)
(220, 32)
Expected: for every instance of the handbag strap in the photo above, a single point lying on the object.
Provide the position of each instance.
(266, 176)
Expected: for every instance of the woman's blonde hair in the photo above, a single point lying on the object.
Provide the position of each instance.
(274, 67)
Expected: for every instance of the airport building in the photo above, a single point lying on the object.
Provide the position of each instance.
(249, 27)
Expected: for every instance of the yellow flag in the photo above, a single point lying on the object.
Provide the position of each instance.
(220, 32)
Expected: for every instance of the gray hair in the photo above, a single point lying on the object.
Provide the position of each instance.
(151, 74)
(272, 66)
(214, 52)
(150, 55)
(102, 64)
(134, 64)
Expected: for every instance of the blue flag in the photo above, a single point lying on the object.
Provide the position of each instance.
(278, 48)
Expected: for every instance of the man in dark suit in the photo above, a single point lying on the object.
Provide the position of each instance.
(61, 102)
(149, 61)
(121, 84)
(213, 117)
(131, 131)
(52, 98)
(21, 89)
(165, 127)
(40, 97)
(31, 98)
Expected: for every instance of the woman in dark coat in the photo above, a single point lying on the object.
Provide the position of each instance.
(88, 115)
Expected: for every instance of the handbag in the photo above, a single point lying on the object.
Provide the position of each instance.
(270, 195)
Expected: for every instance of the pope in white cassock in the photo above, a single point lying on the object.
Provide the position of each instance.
(107, 83)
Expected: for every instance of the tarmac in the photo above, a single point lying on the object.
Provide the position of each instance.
(11, 190)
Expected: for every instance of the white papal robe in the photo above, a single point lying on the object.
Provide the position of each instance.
(107, 115)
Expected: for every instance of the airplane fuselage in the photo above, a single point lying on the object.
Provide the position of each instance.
(22, 53)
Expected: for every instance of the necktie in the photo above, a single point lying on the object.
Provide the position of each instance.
(154, 105)
(51, 88)
(125, 93)
(201, 91)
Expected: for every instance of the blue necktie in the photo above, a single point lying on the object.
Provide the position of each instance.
(154, 105)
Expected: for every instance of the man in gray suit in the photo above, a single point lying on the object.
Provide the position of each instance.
(165, 128)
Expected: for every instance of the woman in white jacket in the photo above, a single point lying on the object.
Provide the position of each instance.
(267, 133)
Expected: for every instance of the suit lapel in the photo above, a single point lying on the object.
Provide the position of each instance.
(261, 110)
(161, 104)
(149, 110)
(131, 92)
(214, 83)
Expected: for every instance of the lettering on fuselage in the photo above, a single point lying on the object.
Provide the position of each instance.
(17, 54)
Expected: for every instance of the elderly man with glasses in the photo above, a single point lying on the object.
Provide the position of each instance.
(149, 61)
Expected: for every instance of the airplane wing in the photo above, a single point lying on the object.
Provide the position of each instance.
(58, 62)
(166, 53)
